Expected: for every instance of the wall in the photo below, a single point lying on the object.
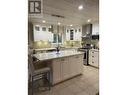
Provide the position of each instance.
(95, 28)
(30, 35)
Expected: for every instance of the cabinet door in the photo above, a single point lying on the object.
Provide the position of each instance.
(72, 65)
(71, 34)
(78, 63)
(67, 34)
(56, 67)
(65, 68)
(94, 63)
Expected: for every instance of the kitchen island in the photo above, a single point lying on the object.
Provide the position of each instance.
(64, 65)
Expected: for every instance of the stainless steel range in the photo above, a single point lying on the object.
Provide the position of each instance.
(86, 53)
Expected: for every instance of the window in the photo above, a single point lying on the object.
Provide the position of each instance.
(54, 38)
(37, 28)
(43, 28)
(75, 30)
(57, 38)
(71, 35)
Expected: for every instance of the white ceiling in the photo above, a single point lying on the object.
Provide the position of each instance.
(68, 9)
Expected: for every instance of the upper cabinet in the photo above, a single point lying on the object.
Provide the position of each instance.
(67, 34)
(43, 33)
(57, 34)
(73, 34)
(95, 28)
(50, 33)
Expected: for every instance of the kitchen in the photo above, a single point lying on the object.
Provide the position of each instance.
(63, 48)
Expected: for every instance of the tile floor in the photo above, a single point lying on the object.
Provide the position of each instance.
(86, 84)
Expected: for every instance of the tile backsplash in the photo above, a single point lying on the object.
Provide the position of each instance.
(47, 44)
(72, 44)
(41, 44)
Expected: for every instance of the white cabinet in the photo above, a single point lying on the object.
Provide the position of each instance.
(77, 33)
(76, 64)
(72, 66)
(65, 68)
(42, 33)
(95, 28)
(94, 58)
(79, 61)
(56, 68)
(67, 34)
(60, 70)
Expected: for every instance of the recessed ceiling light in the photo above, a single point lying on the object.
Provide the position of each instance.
(80, 7)
(71, 25)
(59, 23)
(89, 20)
(43, 21)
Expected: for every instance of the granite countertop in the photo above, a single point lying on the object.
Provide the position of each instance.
(55, 55)
(45, 49)
(95, 50)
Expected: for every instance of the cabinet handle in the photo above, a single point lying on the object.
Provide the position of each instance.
(92, 62)
(92, 56)
(92, 52)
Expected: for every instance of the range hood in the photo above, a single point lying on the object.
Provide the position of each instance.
(86, 31)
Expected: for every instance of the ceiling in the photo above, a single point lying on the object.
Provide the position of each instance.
(69, 10)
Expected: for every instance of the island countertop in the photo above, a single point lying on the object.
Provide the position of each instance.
(55, 55)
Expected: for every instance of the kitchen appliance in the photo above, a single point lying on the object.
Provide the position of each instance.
(95, 37)
(86, 49)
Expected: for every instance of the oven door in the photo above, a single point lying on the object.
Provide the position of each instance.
(85, 57)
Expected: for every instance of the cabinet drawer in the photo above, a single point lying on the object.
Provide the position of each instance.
(93, 52)
(95, 58)
(94, 63)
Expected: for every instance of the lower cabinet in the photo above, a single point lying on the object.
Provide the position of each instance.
(56, 74)
(76, 64)
(79, 61)
(65, 68)
(94, 58)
